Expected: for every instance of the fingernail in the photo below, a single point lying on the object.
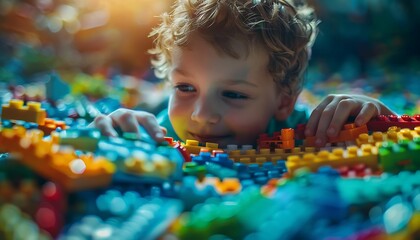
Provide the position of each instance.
(159, 135)
(331, 131)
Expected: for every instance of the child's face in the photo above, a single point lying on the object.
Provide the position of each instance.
(218, 98)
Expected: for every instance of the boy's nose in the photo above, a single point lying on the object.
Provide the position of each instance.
(205, 111)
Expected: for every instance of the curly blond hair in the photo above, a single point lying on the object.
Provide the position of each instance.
(286, 29)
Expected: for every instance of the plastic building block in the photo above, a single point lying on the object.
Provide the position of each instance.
(15, 224)
(350, 132)
(49, 214)
(191, 194)
(266, 155)
(86, 139)
(359, 170)
(226, 186)
(393, 134)
(362, 191)
(52, 125)
(221, 159)
(383, 122)
(178, 145)
(32, 112)
(219, 171)
(193, 169)
(125, 215)
(260, 174)
(156, 165)
(339, 157)
(193, 146)
(404, 155)
(72, 171)
(141, 162)
(56, 88)
(285, 139)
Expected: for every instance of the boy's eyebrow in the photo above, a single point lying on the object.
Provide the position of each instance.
(181, 72)
(228, 81)
(239, 81)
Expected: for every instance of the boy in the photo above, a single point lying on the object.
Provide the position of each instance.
(236, 70)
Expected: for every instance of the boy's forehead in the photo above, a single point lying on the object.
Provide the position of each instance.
(203, 47)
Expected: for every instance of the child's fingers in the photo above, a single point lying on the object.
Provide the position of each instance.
(324, 122)
(313, 121)
(164, 130)
(368, 111)
(344, 109)
(125, 120)
(149, 122)
(105, 125)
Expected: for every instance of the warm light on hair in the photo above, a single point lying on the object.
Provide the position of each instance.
(284, 28)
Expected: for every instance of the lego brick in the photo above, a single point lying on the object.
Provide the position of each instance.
(52, 125)
(367, 155)
(193, 147)
(221, 159)
(49, 213)
(153, 165)
(383, 122)
(32, 112)
(73, 171)
(134, 217)
(350, 132)
(141, 162)
(396, 157)
(393, 134)
(86, 139)
(283, 139)
(191, 193)
(9, 229)
(361, 191)
(357, 171)
(193, 169)
(265, 155)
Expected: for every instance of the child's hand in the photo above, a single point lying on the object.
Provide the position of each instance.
(129, 121)
(331, 114)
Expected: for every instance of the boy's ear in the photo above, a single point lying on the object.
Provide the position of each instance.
(285, 106)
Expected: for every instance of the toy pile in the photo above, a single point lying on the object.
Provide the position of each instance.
(66, 181)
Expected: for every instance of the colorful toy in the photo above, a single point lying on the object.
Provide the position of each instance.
(351, 156)
(349, 132)
(383, 122)
(285, 139)
(15, 110)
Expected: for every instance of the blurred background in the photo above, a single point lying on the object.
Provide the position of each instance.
(99, 48)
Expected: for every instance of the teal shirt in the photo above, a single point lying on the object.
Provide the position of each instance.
(297, 117)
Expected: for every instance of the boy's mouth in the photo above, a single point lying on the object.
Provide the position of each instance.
(203, 138)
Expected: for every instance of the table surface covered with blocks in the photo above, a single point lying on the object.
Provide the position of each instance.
(60, 179)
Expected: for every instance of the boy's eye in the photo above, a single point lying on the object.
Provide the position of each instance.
(184, 88)
(234, 95)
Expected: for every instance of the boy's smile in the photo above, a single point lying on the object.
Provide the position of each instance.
(218, 98)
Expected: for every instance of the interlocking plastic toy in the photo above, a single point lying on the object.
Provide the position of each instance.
(404, 155)
(349, 132)
(249, 156)
(393, 134)
(125, 215)
(367, 155)
(72, 171)
(284, 139)
(32, 112)
(383, 122)
(193, 146)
